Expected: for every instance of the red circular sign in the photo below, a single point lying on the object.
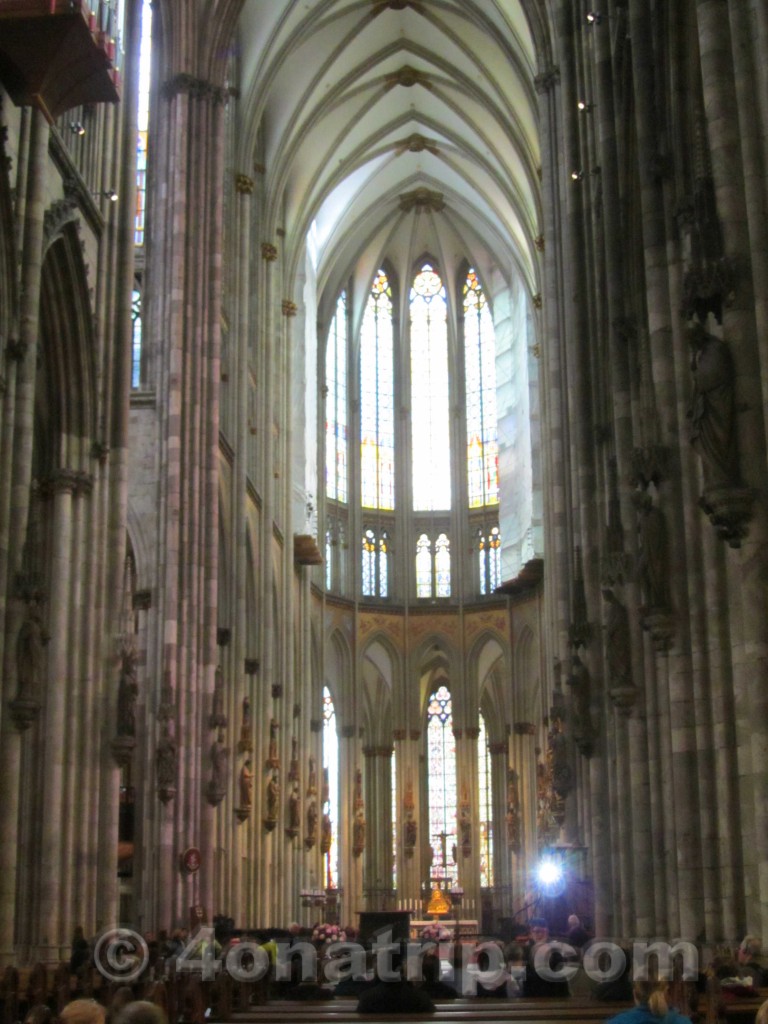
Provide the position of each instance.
(191, 859)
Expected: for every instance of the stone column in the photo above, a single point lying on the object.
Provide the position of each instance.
(747, 570)
(14, 511)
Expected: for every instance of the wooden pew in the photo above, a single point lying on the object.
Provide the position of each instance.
(724, 1007)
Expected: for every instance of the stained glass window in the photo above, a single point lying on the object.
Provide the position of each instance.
(442, 566)
(136, 338)
(374, 568)
(329, 557)
(431, 452)
(424, 566)
(441, 766)
(336, 405)
(480, 373)
(331, 767)
(489, 556)
(143, 122)
(377, 398)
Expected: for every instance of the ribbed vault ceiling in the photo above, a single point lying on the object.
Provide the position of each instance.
(351, 104)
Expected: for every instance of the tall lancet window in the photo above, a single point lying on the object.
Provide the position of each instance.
(431, 454)
(377, 398)
(480, 373)
(441, 766)
(336, 405)
(330, 795)
(486, 806)
(143, 122)
(375, 567)
(489, 557)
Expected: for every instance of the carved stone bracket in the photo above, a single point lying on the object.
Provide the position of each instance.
(729, 510)
(660, 623)
(268, 252)
(649, 465)
(407, 76)
(422, 199)
(24, 712)
(623, 698)
(244, 185)
(547, 79)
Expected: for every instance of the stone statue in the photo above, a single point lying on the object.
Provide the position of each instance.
(246, 786)
(712, 411)
(30, 653)
(293, 810)
(311, 836)
(165, 761)
(217, 786)
(218, 718)
(410, 835)
(653, 561)
(562, 777)
(583, 728)
(273, 797)
(617, 642)
(312, 778)
(245, 726)
(273, 759)
(358, 832)
(326, 834)
(127, 694)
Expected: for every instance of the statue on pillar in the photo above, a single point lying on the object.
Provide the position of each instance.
(218, 718)
(217, 784)
(358, 832)
(273, 759)
(127, 695)
(583, 728)
(272, 802)
(326, 834)
(311, 837)
(246, 786)
(292, 828)
(312, 777)
(245, 743)
(713, 408)
(653, 560)
(513, 812)
(165, 766)
(30, 653)
(293, 770)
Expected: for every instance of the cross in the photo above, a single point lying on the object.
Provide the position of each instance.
(443, 837)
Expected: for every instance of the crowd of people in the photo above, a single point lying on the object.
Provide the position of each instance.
(441, 971)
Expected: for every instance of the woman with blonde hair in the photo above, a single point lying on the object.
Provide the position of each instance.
(650, 1007)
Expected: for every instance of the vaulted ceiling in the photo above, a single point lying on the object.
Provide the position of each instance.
(351, 105)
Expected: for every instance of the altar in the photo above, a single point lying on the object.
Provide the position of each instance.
(461, 930)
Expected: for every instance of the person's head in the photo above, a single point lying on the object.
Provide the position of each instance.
(294, 928)
(39, 1015)
(539, 929)
(653, 994)
(749, 948)
(573, 921)
(121, 998)
(141, 1011)
(83, 1011)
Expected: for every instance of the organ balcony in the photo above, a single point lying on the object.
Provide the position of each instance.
(58, 54)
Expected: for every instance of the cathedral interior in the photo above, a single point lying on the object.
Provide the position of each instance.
(383, 391)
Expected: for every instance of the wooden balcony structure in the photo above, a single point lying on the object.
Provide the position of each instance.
(54, 56)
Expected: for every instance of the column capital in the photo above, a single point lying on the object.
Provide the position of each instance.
(547, 79)
(268, 252)
(524, 729)
(244, 185)
(289, 308)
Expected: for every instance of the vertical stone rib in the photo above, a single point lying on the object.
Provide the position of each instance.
(12, 539)
(747, 570)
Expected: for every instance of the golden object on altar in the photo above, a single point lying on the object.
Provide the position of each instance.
(438, 903)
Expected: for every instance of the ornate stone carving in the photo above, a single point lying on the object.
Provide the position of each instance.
(311, 836)
(653, 564)
(127, 694)
(59, 213)
(407, 76)
(312, 777)
(550, 807)
(546, 79)
(524, 729)
(196, 88)
(272, 801)
(326, 834)
(415, 144)
(217, 784)
(537, 301)
(514, 838)
(268, 252)
(245, 791)
(217, 718)
(649, 465)
(289, 308)
(581, 715)
(244, 185)
(358, 824)
(245, 744)
(30, 660)
(294, 813)
(615, 561)
(538, 243)
(273, 758)
(166, 766)
(729, 510)
(422, 199)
